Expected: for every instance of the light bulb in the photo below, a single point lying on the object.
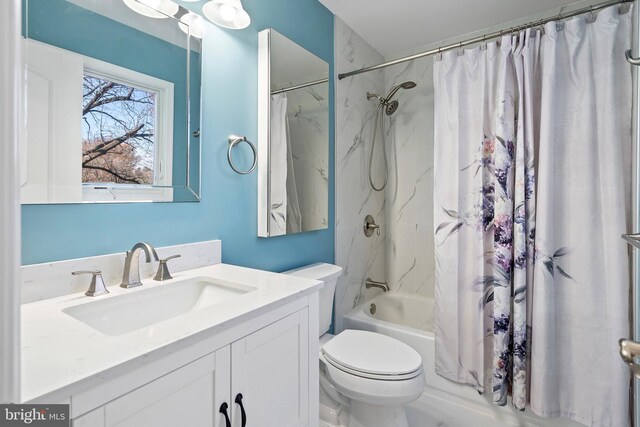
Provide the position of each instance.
(227, 12)
(192, 24)
(159, 9)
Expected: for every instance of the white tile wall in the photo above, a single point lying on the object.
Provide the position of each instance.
(358, 255)
(410, 260)
(404, 253)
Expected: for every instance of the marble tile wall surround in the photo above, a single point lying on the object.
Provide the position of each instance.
(53, 279)
(308, 118)
(361, 257)
(410, 260)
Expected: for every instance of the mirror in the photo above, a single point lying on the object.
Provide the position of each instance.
(293, 137)
(113, 102)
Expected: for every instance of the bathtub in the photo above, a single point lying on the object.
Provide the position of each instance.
(410, 319)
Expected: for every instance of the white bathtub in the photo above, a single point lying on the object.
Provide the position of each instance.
(410, 319)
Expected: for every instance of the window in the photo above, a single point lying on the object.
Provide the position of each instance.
(118, 132)
(127, 134)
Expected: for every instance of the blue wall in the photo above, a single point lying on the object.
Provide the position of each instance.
(228, 207)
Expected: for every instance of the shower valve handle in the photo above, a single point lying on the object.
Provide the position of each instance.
(370, 225)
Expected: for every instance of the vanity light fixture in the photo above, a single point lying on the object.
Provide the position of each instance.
(192, 24)
(159, 9)
(227, 14)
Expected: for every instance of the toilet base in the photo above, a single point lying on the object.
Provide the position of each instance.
(336, 410)
(365, 415)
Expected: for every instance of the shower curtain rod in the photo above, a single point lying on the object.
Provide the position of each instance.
(484, 38)
(287, 89)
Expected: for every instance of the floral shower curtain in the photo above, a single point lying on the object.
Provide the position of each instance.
(533, 138)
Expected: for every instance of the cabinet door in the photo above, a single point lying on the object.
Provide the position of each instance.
(270, 368)
(184, 397)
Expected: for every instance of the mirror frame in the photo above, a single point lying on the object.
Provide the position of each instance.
(264, 135)
(264, 132)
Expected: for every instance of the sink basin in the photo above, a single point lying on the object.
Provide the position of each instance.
(124, 313)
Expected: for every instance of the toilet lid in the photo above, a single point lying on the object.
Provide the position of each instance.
(372, 353)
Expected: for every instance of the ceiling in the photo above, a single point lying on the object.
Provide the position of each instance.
(398, 26)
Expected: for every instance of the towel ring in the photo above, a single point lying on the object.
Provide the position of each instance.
(235, 140)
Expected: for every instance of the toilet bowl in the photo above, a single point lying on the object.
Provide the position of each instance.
(366, 378)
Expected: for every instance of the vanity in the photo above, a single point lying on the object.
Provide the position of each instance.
(216, 345)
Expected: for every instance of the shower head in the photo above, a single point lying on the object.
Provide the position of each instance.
(405, 85)
(391, 107)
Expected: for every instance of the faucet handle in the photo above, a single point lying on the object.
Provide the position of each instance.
(97, 286)
(163, 271)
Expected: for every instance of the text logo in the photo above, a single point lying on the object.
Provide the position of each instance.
(34, 415)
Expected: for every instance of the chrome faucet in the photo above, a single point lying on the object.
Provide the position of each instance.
(131, 276)
(373, 284)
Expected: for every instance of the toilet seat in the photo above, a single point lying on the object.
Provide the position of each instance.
(372, 355)
(371, 390)
(383, 377)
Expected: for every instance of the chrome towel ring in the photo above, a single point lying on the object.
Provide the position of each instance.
(235, 140)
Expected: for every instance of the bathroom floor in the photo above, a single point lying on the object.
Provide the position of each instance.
(438, 411)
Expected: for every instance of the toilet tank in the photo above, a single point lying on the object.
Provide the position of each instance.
(329, 274)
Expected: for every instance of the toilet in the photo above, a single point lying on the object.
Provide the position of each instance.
(366, 378)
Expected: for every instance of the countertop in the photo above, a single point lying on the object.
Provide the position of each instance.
(61, 355)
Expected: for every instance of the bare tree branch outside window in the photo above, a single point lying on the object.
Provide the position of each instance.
(118, 126)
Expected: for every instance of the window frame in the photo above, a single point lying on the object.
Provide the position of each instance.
(161, 190)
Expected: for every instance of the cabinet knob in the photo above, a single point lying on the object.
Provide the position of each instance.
(223, 411)
(243, 413)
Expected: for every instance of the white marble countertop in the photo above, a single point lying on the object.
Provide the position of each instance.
(61, 354)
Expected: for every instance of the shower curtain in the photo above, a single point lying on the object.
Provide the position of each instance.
(285, 207)
(278, 168)
(294, 217)
(532, 192)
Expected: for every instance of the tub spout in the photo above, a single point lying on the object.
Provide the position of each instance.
(374, 284)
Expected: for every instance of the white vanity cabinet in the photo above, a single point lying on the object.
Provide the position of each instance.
(270, 367)
(185, 397)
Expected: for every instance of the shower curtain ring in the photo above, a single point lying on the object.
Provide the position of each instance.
(439, 54)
